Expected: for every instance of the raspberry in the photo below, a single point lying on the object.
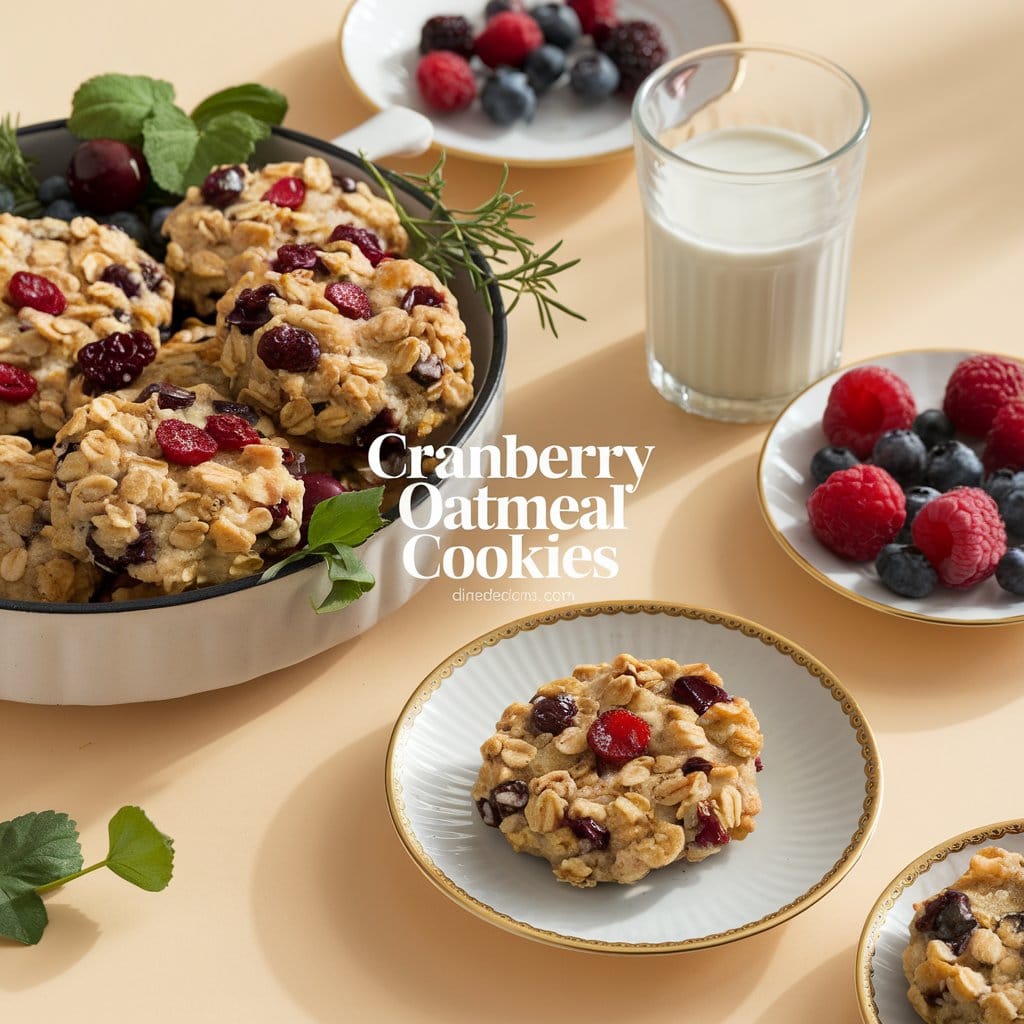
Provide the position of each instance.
(863, 404)
(32, 290)
(447, 32)
(445, 81)
(231, 432)
(592, 11)
(364, 240)
(16, 385)
(977, 387)
(184, 443)
(287, 192)
(961, 534)
(636, 49)
(857, 511)
(1004, 445)
(617, 736)
(507, 39)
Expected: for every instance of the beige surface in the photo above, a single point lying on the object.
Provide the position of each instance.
(293, 900)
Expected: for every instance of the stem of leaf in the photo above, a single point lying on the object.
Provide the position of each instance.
(40, 889)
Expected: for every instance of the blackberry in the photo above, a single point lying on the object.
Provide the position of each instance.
(1010, 571)
(447, 32)
(952, 464)
(636, 49)
(904, 570)
(902, 453)
(829, 460)
(933, 426)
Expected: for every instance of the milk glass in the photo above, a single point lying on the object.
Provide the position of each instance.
(749, 160)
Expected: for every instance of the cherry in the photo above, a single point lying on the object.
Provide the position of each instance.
(106, 175)
(319, 487)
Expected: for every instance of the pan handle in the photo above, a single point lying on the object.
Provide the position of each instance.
(397, 131)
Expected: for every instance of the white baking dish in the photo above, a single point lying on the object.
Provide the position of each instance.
(91, 654)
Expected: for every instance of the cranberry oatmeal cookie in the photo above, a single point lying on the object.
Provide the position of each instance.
(965, 959)
(175, 491)
(341, 351)
(623, 768)
(65, 285)
(236, 210)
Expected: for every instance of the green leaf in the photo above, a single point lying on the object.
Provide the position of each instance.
(22, 917)
(346, 518)
(36, 848)
(224, 139)
(169, 140)
(139, 852)
(267, 105)
(117, 106)
(350, 579)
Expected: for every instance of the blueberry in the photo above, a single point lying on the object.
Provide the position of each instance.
(933, 426)
(594, 76)
(7, 199)
(902, 454)
(544, 66)
(54, 187)
(62, 209)
(497, 6)
(1010, 571)
(952, 464)
(917, 498)
(157, 218)
(559, 23)
(507, 97)
(905, 570)
(1001, 482)
(829, 460)
(1011, 508)
(128, 222)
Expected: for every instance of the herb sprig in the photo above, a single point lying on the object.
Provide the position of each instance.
(338, 526)
(445, 239)
(40, 851)
(16, 171)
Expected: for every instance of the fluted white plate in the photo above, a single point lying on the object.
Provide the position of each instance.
(821, 785)
(881, 985)
(784, 484)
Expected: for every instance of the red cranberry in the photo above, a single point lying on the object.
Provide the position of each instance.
(168, 396)
(106, 175)
(16, 384)
(296, 257)
(488, 814)
(365, 241)
(289, 348)
(592, 834)
(184, 443)
(345, 183)
(385, 422)
(319, 487)
(286, 192)
(710, 831)
(553, 714)
(26, 289)
(948, 917)
(697, 764)
(428, 370)
(246, 412)
(231, 432)
(758, 766)
(115, 361)
(151, 275)
(349, 299)
(280, 512)
(142, 549)
(120, 275)
(510, 797)
(696, 692)
(422, 295)
(617, 736)
(252, 308)
(294, 462)
(223, 186)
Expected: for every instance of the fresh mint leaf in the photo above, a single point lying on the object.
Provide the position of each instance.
(346, 518)
(169, 141)
(225, 139)
(117, 106)
(259, 102)
(139, 853)
(36, 848)
(350, 579)
(22, 917)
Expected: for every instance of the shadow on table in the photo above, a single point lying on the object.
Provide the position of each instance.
(70, 936)
(333, 885)
(824, 990)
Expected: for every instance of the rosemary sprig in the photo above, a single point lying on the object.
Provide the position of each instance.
(16, 171)
(444, 240)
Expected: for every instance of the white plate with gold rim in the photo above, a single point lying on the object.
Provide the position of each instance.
(379, 46)
(784, 484)
(821, 786)
(881, 985)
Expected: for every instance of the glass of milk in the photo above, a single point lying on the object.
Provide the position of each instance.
(750, 160)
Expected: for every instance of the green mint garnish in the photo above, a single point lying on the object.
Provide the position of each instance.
(179, 148)
(338, 525)
(40, 851)
(16, 171)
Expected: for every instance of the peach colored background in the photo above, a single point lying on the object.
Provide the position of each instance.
(293, 899)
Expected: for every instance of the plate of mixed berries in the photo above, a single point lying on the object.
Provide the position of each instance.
(899, 482)
(517, 82)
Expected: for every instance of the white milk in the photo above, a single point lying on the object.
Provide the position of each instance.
(746, 283)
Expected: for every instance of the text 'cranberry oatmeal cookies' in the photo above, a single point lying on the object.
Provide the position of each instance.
(172, 491)
(965, 959)
(236, 210)
(342, 351)
(623, 768)
(65, 286)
